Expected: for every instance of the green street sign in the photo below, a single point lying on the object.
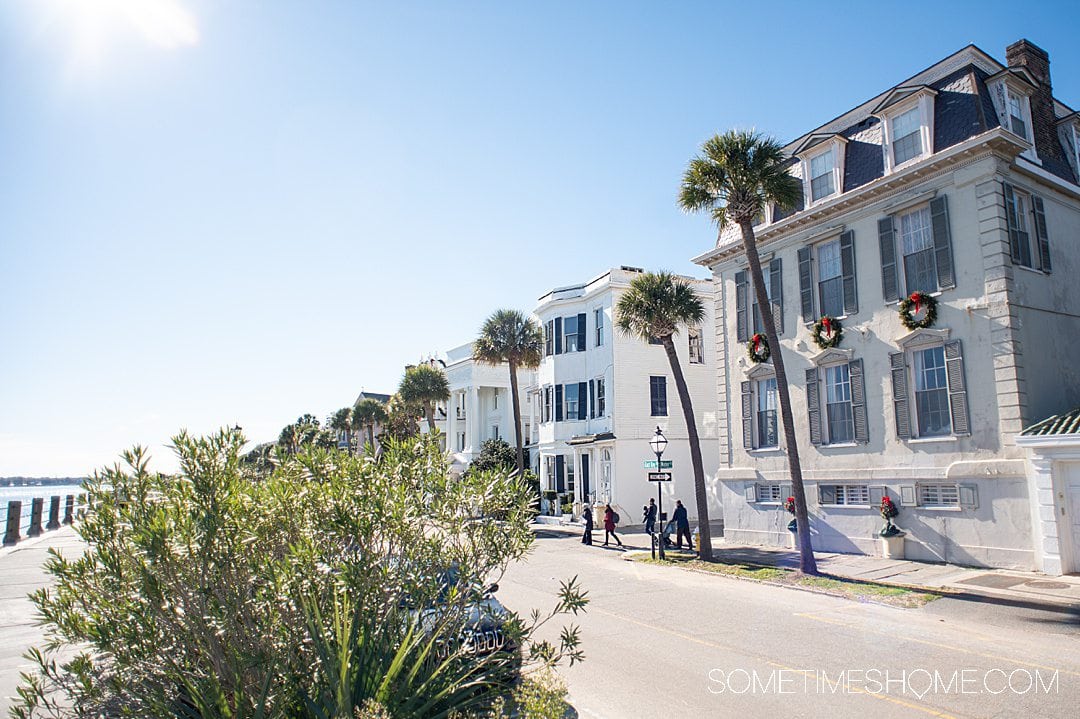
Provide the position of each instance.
(651, 464)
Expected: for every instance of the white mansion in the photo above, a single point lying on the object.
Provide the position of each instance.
(961, 183)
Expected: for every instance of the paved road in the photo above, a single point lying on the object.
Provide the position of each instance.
(661, 641)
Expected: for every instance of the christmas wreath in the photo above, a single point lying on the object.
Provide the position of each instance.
(888, 511)
(913, 305)
(789, 505)
(758, 348)
(827, 332)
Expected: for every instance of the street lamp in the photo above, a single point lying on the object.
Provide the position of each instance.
(659, 444)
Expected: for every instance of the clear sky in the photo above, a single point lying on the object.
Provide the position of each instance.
(236, 212)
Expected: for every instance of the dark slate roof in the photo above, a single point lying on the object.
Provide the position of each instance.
(1067, 423)
(590, 438)
(384, 398)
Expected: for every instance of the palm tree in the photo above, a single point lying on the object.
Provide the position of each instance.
(511, 337)
(365, 415)
(654, 307)
(424, 385)
(736, 177)
(340, 422)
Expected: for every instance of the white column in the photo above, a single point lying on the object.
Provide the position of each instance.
(1044, 520)
(472, 420)
(451, 422)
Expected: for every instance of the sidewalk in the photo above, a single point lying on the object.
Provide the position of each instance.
(1022, 588)
(21, 572)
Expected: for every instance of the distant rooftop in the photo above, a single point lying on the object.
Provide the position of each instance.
(1067, 423)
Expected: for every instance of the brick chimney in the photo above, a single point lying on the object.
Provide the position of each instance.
(1031, 57)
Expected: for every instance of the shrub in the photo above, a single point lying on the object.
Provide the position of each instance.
(307, 594)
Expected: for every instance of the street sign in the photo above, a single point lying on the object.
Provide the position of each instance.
(651, 464)
(659, 476)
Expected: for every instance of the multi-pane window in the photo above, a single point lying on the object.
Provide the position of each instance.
(931, 392)
(598, 315)
(838, 413)
(830, 279)
(549, 338)
(768, 492)
(601, 398)
(759, 326)
(939, 495)
(1020, 236)
(906, 136)
(572, 402)
(917, 242)
(549, 467)
(822, 183)
(570, 334)
(570, 474)
(765, 411)
(845, 494)
(547, 404)
(658, 396)
(1016, 115)
(697, 346)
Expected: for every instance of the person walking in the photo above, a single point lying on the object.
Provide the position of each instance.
(609, 525)
(587, 537)
(682, 526)
(650, 517)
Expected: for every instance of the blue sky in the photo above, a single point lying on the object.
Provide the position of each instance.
(237, 212)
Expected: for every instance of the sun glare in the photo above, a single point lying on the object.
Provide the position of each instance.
(96, 26)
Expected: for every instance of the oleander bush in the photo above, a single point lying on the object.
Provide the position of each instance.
(318, 591)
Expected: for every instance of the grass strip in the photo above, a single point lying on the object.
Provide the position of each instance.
(856, 589)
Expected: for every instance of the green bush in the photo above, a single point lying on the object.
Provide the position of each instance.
(306, 594)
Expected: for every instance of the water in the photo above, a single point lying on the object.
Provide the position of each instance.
(27, 494)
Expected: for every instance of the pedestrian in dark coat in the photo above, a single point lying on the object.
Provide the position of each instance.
(609, 526)
(587, 538)
(650, 517)
(682, 526)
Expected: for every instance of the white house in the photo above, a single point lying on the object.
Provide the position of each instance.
(599, 396)
(961, 183)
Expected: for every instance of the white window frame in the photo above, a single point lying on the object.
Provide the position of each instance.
(577, 402)
(1007, 86)
(769, 493)
(598, 320)
(756, 398)
(823, 398)
(816, 276)
(834, 145)
(1076, 148)
(652, 412)
(842, 493)
(692, 334)
(922, 100)
(913, 403)
(601, 397)
(567, 335)
(1024, 211)
(901, 267)
(922, 490)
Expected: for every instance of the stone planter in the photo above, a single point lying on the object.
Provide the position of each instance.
(893, 547)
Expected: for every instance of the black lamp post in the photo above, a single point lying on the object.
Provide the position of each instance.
(659, 444)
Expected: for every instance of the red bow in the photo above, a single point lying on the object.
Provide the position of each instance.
(916, 297)
(827, 324)
(757, 343)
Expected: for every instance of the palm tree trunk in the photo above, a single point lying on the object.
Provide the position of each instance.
(807, 564)
(429, 412)
(371, 437)
(516, 404)
(700, 496)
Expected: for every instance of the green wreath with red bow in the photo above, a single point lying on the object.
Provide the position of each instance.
(915, 304)
(827, 332)
(758, 348)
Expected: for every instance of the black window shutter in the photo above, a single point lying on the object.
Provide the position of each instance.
(939, 221)
(592, 399)
(1014, 229)
(582, 388)
(847, 268)
(813, 405)
(890, 283)
(558, 335)
(858, 401)
(741, 332)
(558, 403)
(900, 395)
(581, 332)
(560, 473)
(958, 404)
(826, 494)
(1040, 233)
(806, 284)
(776, 288)
(747, 416)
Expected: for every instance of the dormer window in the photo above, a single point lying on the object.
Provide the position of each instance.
(822, 182)
(1017, 121)
(907, 115)
(906, 136)
(822, 166)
